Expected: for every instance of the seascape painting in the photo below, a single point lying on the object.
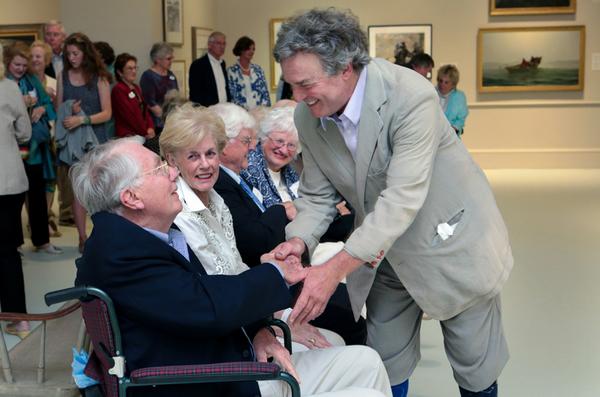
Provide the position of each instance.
(531, 59)
(399, 43)
(530, 7)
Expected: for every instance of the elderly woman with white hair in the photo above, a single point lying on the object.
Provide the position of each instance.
(269, 168)
(193, 140)
(158, 80)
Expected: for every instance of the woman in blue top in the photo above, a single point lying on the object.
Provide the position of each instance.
(36, 153)
(247, 83)
(452, 100)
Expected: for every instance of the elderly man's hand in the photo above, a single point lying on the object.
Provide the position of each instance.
(266, 345)
(293, 272)
(294, 246)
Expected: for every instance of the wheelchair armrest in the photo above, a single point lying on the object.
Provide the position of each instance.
(287, 334)
(65, 295)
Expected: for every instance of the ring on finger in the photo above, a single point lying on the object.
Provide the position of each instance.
(312, 340)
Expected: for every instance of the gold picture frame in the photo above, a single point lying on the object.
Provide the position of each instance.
(274, 26)
(540, 7)
(550, 58)
(173, 22)
(200, 41)
(27, 33)
(179, 69)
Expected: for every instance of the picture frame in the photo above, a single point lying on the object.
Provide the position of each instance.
(532, 7)
(274, 26)
(173, 22)
(550, 58)
(399, 43)
(27, 33)
(179, 69)
(200, 41)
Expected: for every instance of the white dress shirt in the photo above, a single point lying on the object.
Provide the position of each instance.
(215, 64)
(348, 121)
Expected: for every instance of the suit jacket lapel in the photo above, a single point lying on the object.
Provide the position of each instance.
(333, 138)
(369, 129)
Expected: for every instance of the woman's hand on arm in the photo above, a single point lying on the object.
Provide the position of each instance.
(37, 114)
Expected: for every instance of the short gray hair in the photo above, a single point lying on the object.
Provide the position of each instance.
(103, 173)
(160, 50)
(280, 120)
(334, 36)
(234, 117)
(214, 35)
(54, 22)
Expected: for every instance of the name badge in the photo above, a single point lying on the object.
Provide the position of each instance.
(172, 77)
(131, 94)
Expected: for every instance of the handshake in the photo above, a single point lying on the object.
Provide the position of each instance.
(291, 266)
(320, 281)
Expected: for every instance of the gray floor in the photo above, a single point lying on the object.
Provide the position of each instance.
(550, 301)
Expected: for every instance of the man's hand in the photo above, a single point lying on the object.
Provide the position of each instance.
(342, 209)
(294, 246)
(290, 210)
(320, 284)
(266, 345)
(309, 336)
(293, 272)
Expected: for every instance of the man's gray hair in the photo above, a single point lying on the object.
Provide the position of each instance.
(214, 35)
(102, 174)
(334, 36)
(54, 22)
(234, 117)
(160, 50)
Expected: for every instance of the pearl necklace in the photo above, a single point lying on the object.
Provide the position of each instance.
(245, 70)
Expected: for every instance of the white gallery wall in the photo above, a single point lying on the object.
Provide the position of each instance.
(504, 130)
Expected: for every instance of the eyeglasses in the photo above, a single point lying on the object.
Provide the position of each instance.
(163, 169)
(280, 143)
(247, 141)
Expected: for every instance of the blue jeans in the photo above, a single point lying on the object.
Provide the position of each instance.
(400, 390)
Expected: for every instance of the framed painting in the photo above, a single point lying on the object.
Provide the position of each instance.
(531, 7)
(399, 43)
(531, 59)
(199, 41)
(274, 26)
(179, 70)
(173, 21)
(26, 33)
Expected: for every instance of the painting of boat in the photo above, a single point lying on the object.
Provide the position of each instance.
(530, 59)
(525, 66)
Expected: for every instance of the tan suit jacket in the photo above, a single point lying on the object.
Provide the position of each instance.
(411, 173)
(15, 128)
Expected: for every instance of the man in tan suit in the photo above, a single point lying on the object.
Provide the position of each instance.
(428, 234)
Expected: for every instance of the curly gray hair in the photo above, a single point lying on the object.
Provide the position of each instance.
(334, 36)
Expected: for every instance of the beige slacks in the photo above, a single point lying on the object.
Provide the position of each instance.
(348, 371)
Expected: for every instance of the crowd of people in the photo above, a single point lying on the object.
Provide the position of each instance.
(221, 202)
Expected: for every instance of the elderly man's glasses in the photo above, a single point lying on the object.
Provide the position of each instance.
(280, 143)
(162, 169)
(247, 141)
